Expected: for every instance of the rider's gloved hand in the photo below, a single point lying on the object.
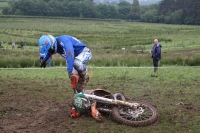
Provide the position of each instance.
(43, 64)
(41, 58)
(74, 79)
(74, 113)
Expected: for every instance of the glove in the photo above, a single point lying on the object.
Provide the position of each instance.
(95, 113)
(74, 79)
(51, 50)
(74, 113)
(43, 64)
(40, 60)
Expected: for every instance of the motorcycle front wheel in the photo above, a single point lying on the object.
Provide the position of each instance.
(143, 115)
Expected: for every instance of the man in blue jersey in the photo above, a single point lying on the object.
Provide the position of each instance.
(76, 54)
(74, 51)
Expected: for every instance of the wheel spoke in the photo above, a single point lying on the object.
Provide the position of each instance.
(129, 114)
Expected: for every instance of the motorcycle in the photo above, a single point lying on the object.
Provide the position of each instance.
(122, 110)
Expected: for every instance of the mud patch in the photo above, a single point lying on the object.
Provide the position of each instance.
(22, 111)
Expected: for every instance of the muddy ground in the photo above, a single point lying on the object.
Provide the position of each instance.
(34, 106)
(26, 108)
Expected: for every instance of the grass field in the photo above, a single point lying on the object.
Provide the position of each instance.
(104, 38)
(38, 100)
(100, 34)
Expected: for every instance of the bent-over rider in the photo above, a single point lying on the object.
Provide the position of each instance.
(76, 54)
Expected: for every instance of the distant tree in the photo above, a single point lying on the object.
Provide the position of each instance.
(18, 12)
(135, 10)
(55, 8)
(65, 12)
(180, 11)
(74, 9)
(13, 6)
(87, 9)
(103, 10)
(167, 11)
(39, 7)
(6, 11)
(124, 8)
(176, 17)
(124, 3)
(28, 7)
(150, 13)
(113, 12)
(124, 11)
(166, 6)
(46, 0)
(150, 16)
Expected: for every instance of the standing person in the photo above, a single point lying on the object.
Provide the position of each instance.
(13, 45)
(156, 54)
(22, 44)
(49, 61)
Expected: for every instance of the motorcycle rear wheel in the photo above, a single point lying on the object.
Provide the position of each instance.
(145, 115)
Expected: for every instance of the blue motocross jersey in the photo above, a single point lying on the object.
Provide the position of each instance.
(68, 47)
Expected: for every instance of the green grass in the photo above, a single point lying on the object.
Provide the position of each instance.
(17, 58)
(175, 93)
(99, 34)
(3, 4)
(104, 38)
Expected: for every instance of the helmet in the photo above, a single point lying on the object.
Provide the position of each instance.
(80, 103)
(47, 43)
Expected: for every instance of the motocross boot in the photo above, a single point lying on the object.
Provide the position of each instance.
(83, 79)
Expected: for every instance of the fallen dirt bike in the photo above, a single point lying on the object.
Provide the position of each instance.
(123, 111)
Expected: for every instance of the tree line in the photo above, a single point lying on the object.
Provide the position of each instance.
(167, 11)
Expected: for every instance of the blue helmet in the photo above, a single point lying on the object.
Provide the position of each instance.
(47, 43)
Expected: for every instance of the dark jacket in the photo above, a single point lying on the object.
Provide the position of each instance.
(156, 51)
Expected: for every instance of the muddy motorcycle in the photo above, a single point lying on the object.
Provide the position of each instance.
(122, 110)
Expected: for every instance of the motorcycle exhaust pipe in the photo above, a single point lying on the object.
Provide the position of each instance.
(111, 101)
